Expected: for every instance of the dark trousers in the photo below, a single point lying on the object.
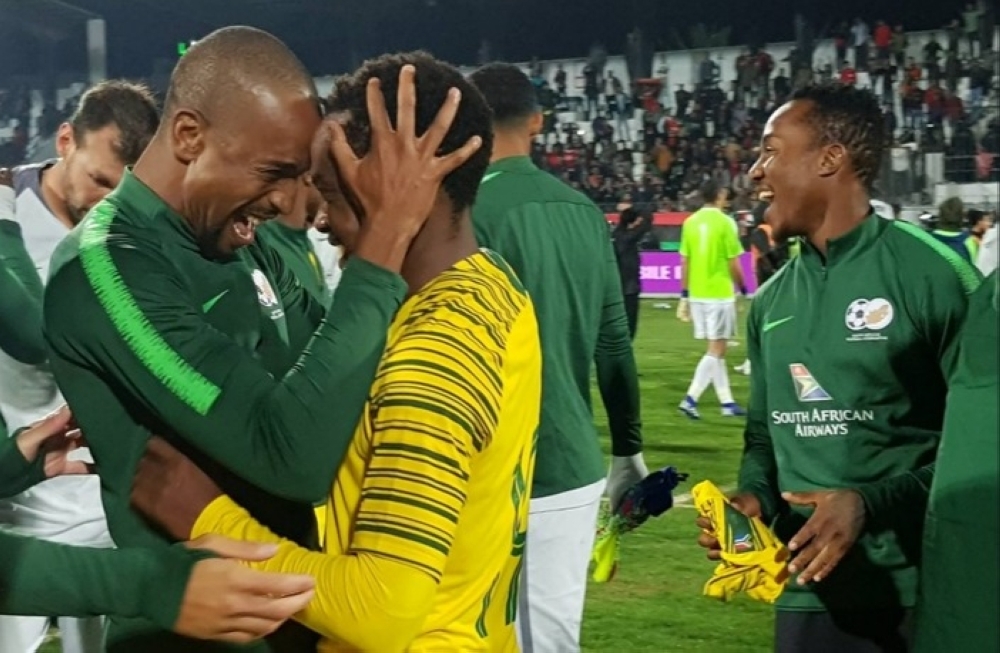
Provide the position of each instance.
(860, 631)
(632, 313)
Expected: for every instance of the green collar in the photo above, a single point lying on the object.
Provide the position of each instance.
(510, 164)
(145, 207)
(848, 246)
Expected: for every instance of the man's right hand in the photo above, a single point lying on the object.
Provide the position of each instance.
(226, 601)
(396, 184)
(746, 503)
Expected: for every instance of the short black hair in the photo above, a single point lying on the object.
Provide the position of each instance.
(508, 92)
(219, 67)
(951, 213)
(433, 80)
(709, 191)
(852, 117)
(128, 106)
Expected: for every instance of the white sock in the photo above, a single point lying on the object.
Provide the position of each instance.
(703, 375)
(721, 381)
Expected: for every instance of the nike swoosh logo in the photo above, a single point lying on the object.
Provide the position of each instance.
(207, 306)
(770, 325)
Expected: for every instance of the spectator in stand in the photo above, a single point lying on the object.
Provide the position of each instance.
(898, 45)
(883, 41)
(954, 110)
(683, 98)
(840, 36)
(860, 36)
(848, 75)
(560, 82)
(913, 106)
(783, 86)
(954, 32)
(590, 89)
(934, 101)
(970, 21)
(952, 71)
(932, 57)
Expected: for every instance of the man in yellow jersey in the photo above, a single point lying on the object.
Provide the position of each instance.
(710, 251)
(289, 236)
(427, 519)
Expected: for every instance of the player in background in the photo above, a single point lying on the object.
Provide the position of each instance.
(950, 229)
(289, 236)
(769, 256)
(557, 242)
(627, 237)
(851, 345)
(427, 516)
(710, 271)
(109, 129)
(958, 575)
(163, 313)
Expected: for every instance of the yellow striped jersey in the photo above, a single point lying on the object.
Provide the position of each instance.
(439, 473)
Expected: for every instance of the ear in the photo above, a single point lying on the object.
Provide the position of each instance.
(187, 134)
(65, 141)
(535, 124)
(832, 159)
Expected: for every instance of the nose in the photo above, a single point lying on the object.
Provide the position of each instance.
(756, 171)
(283, 197)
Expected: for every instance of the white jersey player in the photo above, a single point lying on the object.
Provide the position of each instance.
(111, 127)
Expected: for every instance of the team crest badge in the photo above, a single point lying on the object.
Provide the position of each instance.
(264, 291)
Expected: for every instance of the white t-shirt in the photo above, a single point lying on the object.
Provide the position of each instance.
(987, 259)
(66, 509)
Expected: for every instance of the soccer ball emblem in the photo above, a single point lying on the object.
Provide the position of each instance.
(857, 314)
(872, 314)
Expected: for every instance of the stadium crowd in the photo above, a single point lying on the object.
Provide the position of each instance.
(709, 132)
(226, 386)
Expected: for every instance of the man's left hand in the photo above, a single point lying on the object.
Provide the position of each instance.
(55, 437)
(625, 472)
(170, 490)
(829, 533)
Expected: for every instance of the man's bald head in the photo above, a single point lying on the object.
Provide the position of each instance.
(229, 63)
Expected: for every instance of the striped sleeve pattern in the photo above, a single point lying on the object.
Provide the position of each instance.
(435, 406)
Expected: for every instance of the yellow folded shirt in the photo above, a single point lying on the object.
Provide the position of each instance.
(753, 559)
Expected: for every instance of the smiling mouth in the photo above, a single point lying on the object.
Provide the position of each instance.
(765, 195)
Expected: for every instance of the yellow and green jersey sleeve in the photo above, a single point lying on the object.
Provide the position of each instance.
(428, 514)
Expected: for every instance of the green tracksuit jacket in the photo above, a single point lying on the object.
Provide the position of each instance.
(849, 357)
(958, 581)
(557, 241)
(149, 336)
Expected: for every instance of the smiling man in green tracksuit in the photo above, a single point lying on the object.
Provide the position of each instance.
(850, 347)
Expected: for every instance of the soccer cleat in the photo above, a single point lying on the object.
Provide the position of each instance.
(733, 410)
(690, 408)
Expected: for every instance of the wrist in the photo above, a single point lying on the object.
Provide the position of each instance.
(383, 246)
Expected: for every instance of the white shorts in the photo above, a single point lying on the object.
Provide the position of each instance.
(561, 531)
(713, 320)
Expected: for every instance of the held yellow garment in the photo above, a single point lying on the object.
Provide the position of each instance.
(427, 518)
(753, 559)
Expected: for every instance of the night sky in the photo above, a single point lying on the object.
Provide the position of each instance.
(334, 35)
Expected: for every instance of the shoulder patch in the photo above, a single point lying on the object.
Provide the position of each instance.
(132, 325)
(967, 274)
